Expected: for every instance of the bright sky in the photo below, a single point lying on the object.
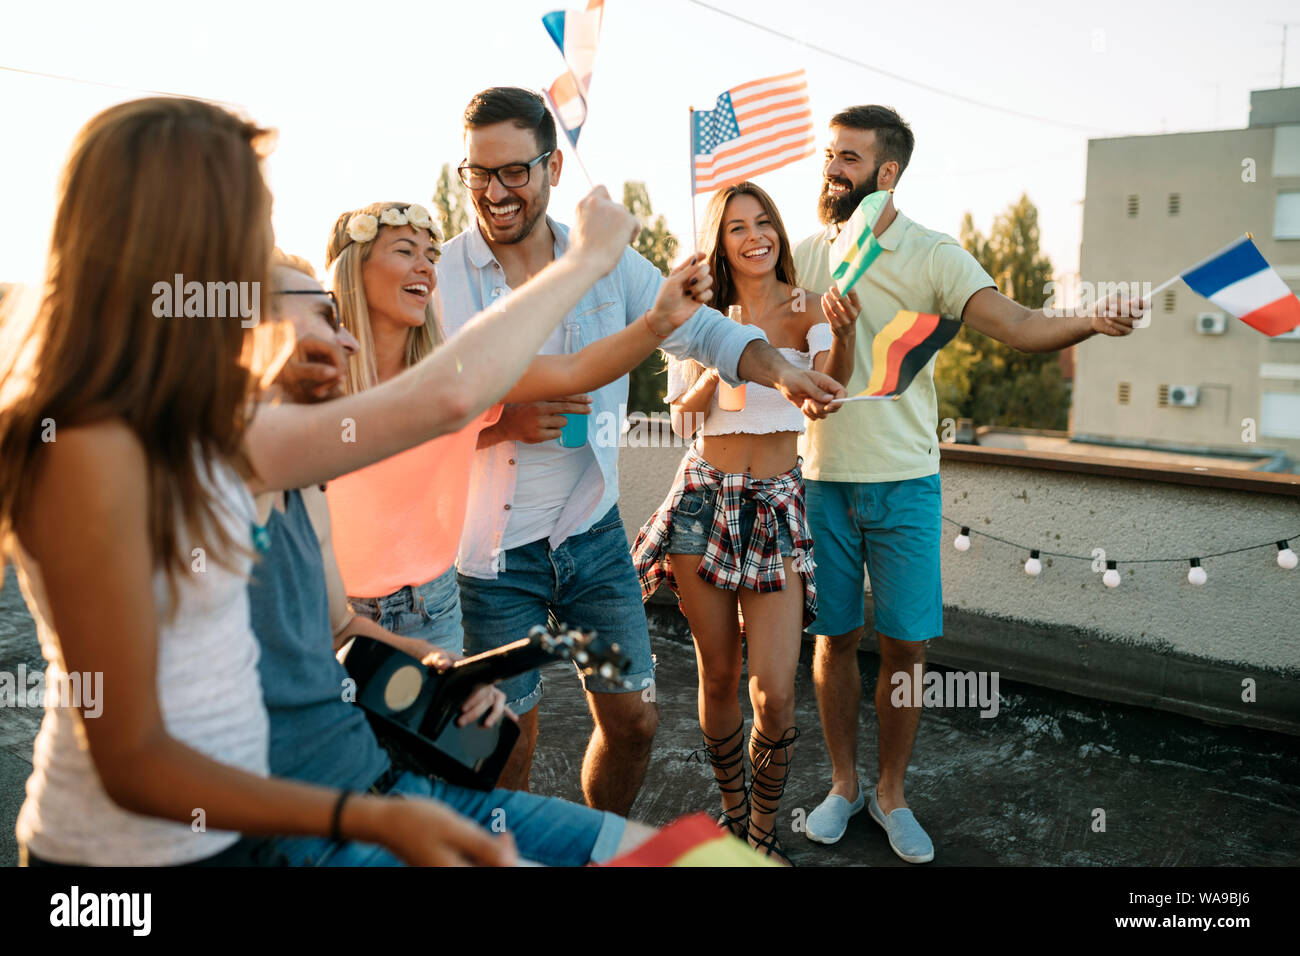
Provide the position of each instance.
(368, 96)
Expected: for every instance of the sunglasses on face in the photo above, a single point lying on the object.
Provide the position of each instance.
(333, 318)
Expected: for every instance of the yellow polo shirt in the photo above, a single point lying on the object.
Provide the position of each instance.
(917, 270)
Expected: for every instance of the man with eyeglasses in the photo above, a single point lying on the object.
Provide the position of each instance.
(543, 534)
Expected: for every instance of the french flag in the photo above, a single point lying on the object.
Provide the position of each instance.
(1239, 280)
(575, 32)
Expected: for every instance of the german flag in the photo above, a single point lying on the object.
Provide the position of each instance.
(902, 348)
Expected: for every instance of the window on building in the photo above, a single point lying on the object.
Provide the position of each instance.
(1162, 395)
(1125, 390)
(1132, 206)
(1286, 216)
(1286, 151)
(1174, 202)
(1279, 415)
(1170, 300)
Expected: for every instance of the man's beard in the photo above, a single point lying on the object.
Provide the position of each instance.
(534, 210)
(837, 209)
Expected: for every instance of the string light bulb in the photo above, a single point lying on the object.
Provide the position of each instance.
(962, 541)
(1033, 567)
(1286, 558)
(1111, 578)
(1196, 573)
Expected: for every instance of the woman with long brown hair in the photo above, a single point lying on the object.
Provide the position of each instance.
(731, 536)
(129, 444)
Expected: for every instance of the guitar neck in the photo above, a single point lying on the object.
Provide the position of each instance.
(510, 660)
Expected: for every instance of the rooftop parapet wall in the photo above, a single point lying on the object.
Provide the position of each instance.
(1244, 622)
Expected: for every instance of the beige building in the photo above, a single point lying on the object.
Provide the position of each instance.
(1156, 205)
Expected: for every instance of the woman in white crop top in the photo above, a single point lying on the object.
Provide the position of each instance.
(128, 451)
(731, 534)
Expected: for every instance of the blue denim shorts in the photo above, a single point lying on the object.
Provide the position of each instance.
(546, 830)
(894, 529)
(430, 611)
(586, 582)
(692, 522)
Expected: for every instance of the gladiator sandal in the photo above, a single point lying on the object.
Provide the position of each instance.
(770, 760)
(726, 754)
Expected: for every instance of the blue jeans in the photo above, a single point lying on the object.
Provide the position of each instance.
(430, 611)
(546, 830)
(586, 582)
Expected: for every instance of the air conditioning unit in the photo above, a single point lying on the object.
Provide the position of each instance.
(1185, 395)
(1211, 323)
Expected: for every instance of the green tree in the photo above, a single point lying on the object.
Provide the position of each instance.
(980, 378)
(451, 205)
(649, 381)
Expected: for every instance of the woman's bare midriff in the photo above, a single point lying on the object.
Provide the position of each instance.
(763, 456)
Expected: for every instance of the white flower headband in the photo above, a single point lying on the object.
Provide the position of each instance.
(363, 227)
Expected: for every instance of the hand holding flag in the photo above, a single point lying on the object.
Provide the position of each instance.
(857, 247)
(901, 349)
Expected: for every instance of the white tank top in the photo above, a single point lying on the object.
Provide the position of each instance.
(766, 410)
(210, 697)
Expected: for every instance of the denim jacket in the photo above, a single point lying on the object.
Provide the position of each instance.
(469, 280)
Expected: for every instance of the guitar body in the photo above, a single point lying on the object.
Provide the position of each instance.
(415, 724)
(413, 708)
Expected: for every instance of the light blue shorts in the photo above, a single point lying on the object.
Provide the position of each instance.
(894, 528)
(430, 611)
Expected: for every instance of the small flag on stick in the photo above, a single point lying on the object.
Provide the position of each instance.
(754, 128)
(692, 841)
(1239, 280)
(901, 349)
(576, 33)
(856, 247)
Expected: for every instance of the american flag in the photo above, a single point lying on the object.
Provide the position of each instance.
(755, 128)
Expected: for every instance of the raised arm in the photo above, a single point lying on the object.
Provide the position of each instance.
(611, 357)
(842, 314)
(1032, 330)
(292, 446)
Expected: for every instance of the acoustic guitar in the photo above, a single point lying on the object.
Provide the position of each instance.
(413, 708)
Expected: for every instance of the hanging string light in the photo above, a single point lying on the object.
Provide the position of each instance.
(1286, 558)
(1111, 578)
(1196, 574)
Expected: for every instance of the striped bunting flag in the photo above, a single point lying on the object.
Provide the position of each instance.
(575, 32)
(901, 349)
(856, 247)
(1239, 280)
(754, 128)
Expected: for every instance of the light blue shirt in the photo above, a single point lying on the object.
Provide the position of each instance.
(469, 280)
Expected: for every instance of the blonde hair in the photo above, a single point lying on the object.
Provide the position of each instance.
(288, 260)
(152, 188)
(344, 257)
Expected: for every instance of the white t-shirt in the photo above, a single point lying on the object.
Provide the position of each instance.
(209, 692)
(546, 476)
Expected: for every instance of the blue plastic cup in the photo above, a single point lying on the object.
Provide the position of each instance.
(574, 432)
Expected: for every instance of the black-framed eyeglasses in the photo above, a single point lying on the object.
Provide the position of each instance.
(511, 175)
(334, 320)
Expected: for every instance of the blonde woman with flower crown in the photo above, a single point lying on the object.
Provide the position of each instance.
(397, 524)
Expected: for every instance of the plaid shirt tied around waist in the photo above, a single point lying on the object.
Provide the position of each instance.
(728, 562)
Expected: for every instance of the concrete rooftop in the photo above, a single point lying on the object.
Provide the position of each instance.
(1016, 789)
